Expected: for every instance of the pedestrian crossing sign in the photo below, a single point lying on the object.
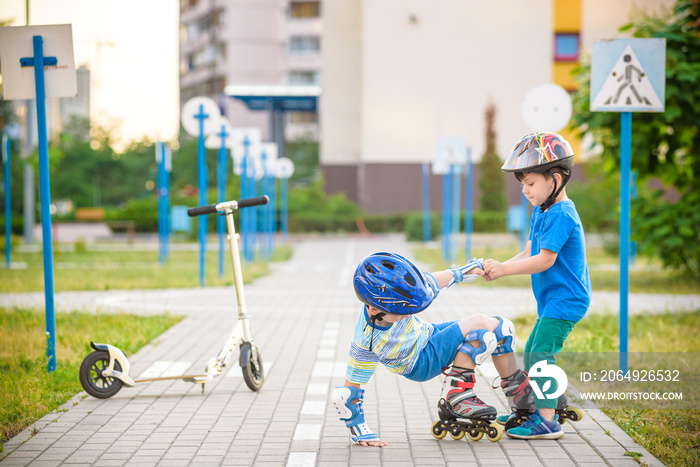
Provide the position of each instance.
(628, 75)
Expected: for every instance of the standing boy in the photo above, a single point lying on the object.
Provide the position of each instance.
(555, 256)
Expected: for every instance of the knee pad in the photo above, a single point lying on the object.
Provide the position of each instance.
(351, 414)
(488, 343)
(505, 331)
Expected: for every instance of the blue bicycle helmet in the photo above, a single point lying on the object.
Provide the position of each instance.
(392, 284)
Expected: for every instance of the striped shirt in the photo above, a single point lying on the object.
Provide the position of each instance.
(395, 346)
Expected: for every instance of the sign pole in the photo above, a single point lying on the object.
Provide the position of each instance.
(8, 193)
(525, 222)
(625, 175)
(220, 220)
(425, 176)
(45, 197)
(627, 75)
(168, 156)
(245, 229)
(468, 224)
(455, 173)
(202, 172)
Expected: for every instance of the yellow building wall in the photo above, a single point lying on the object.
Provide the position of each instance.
(562, 75)
(566, 19)
(567, 15)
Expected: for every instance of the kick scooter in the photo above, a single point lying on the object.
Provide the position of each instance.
(104, 371)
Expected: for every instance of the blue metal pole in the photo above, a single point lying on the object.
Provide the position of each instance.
(443, 221)
(625, 169)
(45, 196)
(221, 220)
(245, 227)
(283, 209)
(273, 210)
(8, 193)
(425, 176)
(468, 221)
(253, 213)
(633, 244)
(160, 158)
(168, 169)
(264, 221)
(525, 221)
(203, 177)
(447, 215)
(456, 192)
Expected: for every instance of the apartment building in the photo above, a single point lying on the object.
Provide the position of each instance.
(399, 74)
(250, 42)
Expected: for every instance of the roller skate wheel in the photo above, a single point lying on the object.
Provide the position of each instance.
(475, 435)
(438, 431)
(575, 414)
(457, 434)
(495, 432)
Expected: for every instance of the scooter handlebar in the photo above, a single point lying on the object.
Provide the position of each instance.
(244, 203)
(198, 211)
(257, 201)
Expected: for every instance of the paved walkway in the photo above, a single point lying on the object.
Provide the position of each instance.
(302, 316)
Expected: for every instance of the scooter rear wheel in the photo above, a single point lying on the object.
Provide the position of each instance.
(92, 380)
(253, 373)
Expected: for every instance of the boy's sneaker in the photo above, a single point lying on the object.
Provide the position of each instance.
(503, 419)
(537, 428)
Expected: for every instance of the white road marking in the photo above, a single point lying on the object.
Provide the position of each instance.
(307, 431)
(301, 459)
(313, 407)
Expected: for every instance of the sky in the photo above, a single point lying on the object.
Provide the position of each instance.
(131, 48)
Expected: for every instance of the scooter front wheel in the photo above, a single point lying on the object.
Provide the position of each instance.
(92, 379)
(253, 373)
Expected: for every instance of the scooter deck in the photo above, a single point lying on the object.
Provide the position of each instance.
(166, 378)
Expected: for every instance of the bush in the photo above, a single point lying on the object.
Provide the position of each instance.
(17, 226)
(597, 198)
(143, 211)
(487, 221)
(414, 226)
(669, 230)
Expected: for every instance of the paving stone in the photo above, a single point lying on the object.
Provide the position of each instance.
(302, 316)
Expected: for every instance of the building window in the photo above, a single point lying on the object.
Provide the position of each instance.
(303, 77)
(304, 9)
(566, 47)
(302, 45)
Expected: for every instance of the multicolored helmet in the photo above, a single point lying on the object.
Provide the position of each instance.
(539, 152)
(393, 284)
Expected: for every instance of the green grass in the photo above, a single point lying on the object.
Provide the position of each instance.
(115, 270)
(27, 390)
(642, 280)
(670, 435)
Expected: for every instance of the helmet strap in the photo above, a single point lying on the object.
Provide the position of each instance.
(555, 191)
(374, 319)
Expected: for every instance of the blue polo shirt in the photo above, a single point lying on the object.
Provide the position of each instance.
(564, 290)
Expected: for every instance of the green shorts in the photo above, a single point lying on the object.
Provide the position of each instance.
(545, 341)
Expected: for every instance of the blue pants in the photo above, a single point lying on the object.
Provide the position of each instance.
(439, 352)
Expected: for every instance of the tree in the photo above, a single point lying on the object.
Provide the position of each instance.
(665, 145)
(491, 180)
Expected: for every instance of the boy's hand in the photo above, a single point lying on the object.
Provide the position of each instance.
(376, 443)
(493, 270)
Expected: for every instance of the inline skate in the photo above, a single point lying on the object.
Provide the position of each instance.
(462, 412)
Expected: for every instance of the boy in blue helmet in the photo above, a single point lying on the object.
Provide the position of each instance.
(555, 256)
(388, 331)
